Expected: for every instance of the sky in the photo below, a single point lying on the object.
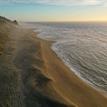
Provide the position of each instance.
(54, 10)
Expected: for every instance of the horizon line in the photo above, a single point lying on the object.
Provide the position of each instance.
(64, 21)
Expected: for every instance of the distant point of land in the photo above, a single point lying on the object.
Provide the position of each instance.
(6, 20)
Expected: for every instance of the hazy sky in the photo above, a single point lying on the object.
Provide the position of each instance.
(54, 10)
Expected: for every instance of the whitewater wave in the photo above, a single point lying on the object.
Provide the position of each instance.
(82, 47)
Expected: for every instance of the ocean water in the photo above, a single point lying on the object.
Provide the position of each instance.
(81, 46)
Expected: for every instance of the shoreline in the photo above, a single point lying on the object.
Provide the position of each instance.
(33, 75)
(41, 78)
(74, 81)
(53, 48)
(76, 73)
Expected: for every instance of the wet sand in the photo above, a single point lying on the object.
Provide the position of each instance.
(66, 83)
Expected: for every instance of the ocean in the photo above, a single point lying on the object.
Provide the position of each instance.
(81, 46)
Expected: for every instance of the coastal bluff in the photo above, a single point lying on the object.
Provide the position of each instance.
(22, 81)
(32, 75)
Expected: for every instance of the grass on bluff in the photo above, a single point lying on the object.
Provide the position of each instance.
(5, 26)
(22, 82)
(4, 30)
(10, 94)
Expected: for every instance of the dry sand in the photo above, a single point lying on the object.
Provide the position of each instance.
(43, 79)
(67, 85)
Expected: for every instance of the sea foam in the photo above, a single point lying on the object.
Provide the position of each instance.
(81, 46)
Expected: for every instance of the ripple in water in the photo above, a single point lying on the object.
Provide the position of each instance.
(82, 46)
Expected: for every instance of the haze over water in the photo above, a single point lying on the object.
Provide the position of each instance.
(82, 46)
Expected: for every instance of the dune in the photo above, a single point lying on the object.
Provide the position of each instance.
(31, 74)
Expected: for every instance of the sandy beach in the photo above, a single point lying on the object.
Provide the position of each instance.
(72, 89)
(40, 76)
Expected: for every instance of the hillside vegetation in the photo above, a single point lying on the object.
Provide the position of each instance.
(22, 81)
(5, 26)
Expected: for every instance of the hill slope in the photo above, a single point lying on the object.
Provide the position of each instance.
(22, 81)
(31, 75)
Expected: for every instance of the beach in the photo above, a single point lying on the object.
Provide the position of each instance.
(67, 84)
(40, 78)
